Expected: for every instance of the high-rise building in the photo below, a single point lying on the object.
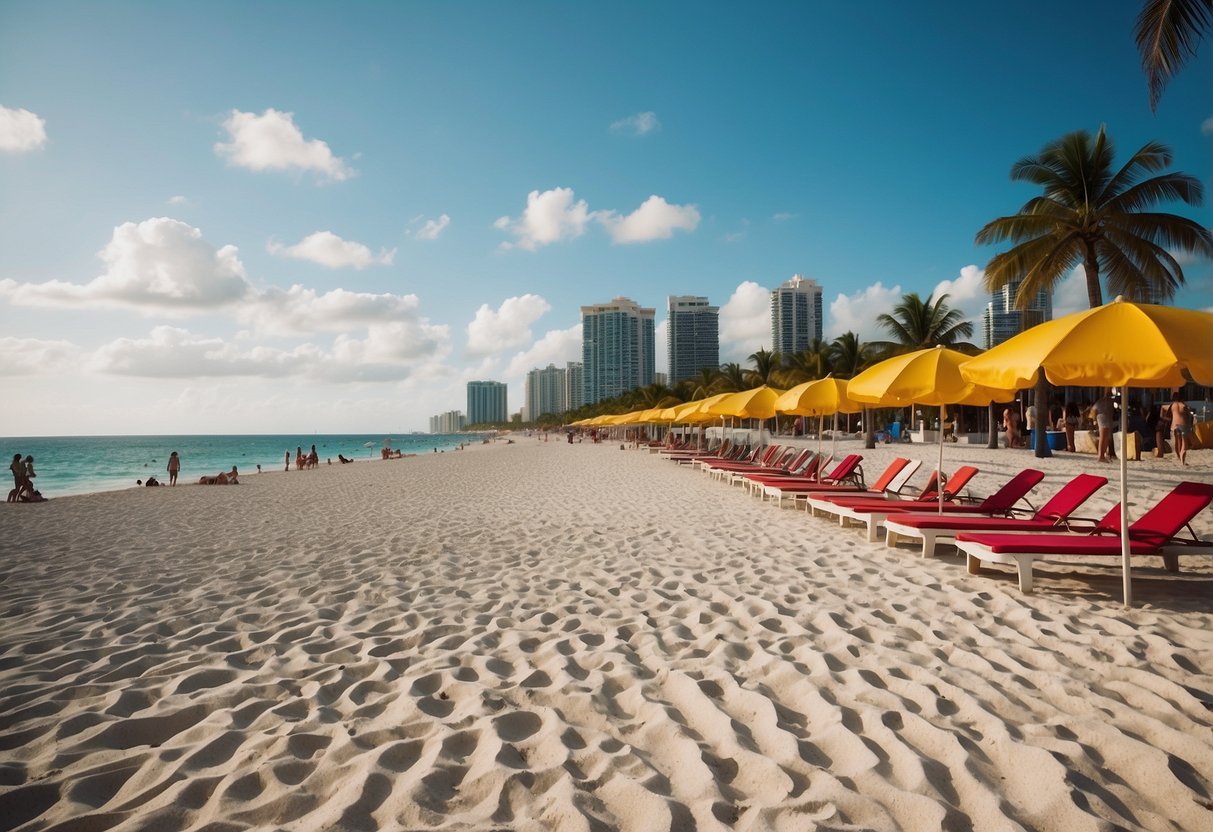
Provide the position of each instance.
(486, 402)
(693, 336)
(449, 422)
(574, 392)
(1002, 319)
(544, 392)
(795, 315)
(617, 348)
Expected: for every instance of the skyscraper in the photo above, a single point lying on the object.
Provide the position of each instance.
(449, 422)
(795, 315)
(693, 336)
(1002, 320)
(616, 348)
(544, 392)
(486, 402)
(574, 388)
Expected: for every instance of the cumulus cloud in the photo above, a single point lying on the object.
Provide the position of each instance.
(178, 200)
(639, 124)
(966, 292)
(506, 327)
(1070, 295)
(655, 219)
(327, 249)
(21, 131)
(432, 228)
(857, 312)
(557, 346)
(301, 311)
(745, 321)
(160, 265)
(28, 356)
(549, 217)
(271, 141)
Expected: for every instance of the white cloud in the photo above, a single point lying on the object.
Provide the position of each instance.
(508, 327)
(549, 217)
(432, 228)
(160, 265)
(783, 216)
(300, 311)
(30, 356)
(655, 219)
(327, 249)
(271, 141)
(857, 312)
(966, 292)
(178, 200)
(1206, 126)
(557, 346)
(21, 131)
(1070, 294)
(745, 321)
(639, 124)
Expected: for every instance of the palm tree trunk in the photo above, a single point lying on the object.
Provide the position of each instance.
(992, 442)
(1041, 400)
(869, 430)
(1090, 265)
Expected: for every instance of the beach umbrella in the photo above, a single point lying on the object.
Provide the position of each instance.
(1119, 344)
(929, 376)
(757, 403)
(817, 398)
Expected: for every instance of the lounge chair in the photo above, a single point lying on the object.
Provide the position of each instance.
(1154, 533)
(788, 466)
(892, 481)
(847, 476)
(768, 460)
(932, 528)
(872, 510)
(807, 470)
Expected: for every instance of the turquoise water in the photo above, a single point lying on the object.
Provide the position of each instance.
(85, 464)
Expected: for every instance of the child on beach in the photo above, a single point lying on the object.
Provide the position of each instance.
(174, 465)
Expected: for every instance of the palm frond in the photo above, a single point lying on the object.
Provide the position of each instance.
(1168, 33)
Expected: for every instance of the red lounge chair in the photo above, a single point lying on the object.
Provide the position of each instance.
(1154, 533)
(768, 460)
(786, 468)
(847, 477)
(932, 528)
(848, 470)
(873, 511)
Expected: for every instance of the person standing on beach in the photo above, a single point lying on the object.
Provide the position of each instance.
(174, 467)
(1104, 412)
(287, 459)
(1181, 426)
(18, 469)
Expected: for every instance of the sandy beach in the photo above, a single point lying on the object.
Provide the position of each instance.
(574, 637)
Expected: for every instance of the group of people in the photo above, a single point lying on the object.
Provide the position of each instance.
(23, 481)
(311, 460)
(1171, 419)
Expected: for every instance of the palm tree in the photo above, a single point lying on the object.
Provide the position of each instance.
(1168, 33)
(1095, 215)
(766, 367)
(848, 355)
(1099, 217)
(916, 324)
(813, 362)
(731, 379)
(705, 382)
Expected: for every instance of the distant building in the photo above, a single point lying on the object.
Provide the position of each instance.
(693, 336)
(574, 392)
(544, 392)
(1002, 320)
(795, 315)
(617, 348)
(661, 379)
(449, 422)
(486, 402)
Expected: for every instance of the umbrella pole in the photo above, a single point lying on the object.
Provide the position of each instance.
(821, 419)
(942, 416)
(1124, 496)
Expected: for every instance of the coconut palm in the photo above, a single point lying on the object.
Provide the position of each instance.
(705, 381)
(731, 379)
(1168, 33)
(813, 362)
(916, 324)
(1094, 215)
(766, 368)
(848, 355)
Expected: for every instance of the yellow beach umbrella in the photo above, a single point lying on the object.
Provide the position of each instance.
(758, 403)
(1119, 344)
(817, 398)
(929, 376)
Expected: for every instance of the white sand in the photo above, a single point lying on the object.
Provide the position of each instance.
(545, 636)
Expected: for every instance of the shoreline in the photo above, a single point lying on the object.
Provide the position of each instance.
(546, 636)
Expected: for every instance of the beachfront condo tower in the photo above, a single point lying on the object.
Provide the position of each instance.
(449, 422)
(487, 403)
(544, 392)
(617, 343)
(693, 336)
(574, 389)
(795, 315)
(1002, 319)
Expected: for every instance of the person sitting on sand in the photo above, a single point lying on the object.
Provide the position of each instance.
(152, 482)
(223, 478)
(342, 459)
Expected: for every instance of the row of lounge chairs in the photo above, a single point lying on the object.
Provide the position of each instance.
(1002, 528)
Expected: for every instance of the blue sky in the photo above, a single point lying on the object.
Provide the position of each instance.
(265, 217)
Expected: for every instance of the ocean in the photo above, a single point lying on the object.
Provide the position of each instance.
(85, 464)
